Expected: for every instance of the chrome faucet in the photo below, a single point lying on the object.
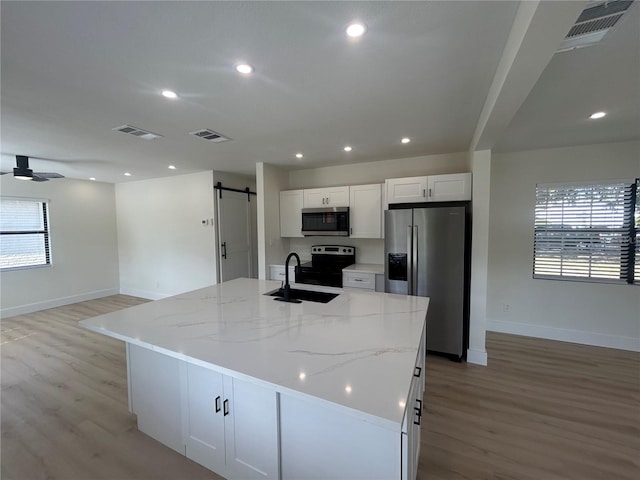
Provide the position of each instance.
(287, 288)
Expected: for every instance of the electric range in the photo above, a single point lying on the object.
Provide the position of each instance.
(325, 267)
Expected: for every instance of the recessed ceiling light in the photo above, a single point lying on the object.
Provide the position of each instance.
(598, 115)
(299, 155)
(93, 179)
(169, 94)
(244, 68)
(127, 174)
(405, 140)
(347, 148)
(172, 167)
(356, 30)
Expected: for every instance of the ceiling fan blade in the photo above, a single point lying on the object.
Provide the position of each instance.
(48, 175)
(36, 178)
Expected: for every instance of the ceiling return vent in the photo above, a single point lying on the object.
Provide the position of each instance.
(210, 135)
(137, 132)
(593, 23)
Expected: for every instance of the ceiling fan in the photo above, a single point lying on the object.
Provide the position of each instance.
(23, 172)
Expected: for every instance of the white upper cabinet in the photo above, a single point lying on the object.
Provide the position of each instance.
(445, 188)
(407, 190)
(365, 211)
(291, 213)
(326, 197)
(433, 188)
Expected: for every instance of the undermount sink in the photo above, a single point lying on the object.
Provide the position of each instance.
(308, 295)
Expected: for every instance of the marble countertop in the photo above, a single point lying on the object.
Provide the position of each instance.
(365, 268)
(357, 351)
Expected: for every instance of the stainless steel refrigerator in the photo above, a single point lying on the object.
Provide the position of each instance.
(427, 253)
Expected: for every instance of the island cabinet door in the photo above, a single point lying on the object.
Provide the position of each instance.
(204, 418)
(251, 427)
(231, 426)
(411, 431)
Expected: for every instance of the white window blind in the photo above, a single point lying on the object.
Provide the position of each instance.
(24, 233)
(584, 232)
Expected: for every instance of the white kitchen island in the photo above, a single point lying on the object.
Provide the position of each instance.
(250, 387)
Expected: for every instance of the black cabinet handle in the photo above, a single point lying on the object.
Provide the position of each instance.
(226, 407)
(419, 370)
(224, 250)
(418, 411)
(217, 403)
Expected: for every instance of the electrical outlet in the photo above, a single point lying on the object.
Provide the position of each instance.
(506, 308)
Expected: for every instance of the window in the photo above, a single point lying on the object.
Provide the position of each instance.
(587, 232)
(24, 233)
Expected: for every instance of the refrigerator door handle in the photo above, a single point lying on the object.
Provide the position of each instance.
(410, 265)
(414, 261)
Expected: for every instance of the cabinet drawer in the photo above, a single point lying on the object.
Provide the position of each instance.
(359, 280)
(276, 272)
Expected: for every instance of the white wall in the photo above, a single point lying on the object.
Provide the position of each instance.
(272, 249)
(377, 172)
(591, 313)
(164, 248)
(82, 219)
(369, 250)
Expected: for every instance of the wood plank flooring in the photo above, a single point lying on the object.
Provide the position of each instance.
(540, 410)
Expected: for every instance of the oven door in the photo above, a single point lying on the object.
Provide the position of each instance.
(319, 277)
(330, 221)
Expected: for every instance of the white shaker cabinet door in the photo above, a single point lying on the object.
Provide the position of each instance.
(448, 188)
(366, 211)
(337, 196)
(406, 190)
(314, 198)
(205, 418)
(291, 213)
(231, 426)
(251, 427)
(326, 197)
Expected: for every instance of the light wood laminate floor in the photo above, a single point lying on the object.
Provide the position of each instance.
(540, 410)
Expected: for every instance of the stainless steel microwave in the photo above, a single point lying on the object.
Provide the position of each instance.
(330, 221)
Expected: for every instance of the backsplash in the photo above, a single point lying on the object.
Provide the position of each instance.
(367, 250)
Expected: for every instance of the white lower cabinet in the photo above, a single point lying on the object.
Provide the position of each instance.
(363, 280)
(231, 425)
(412, 423)
(277, 272)
(241, 430)
(411, 432)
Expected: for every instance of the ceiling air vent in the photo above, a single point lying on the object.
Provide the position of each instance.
(137, 132)
(210, 135)
(593, 23)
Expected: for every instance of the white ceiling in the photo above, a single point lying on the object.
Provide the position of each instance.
(72, 71)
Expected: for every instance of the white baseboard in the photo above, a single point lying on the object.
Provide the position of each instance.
(143, 293)
(57, 302)
(565, 335)
(476, 356)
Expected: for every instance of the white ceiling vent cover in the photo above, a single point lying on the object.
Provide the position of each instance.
(593, 24)
(210, 135)
(137, 132)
